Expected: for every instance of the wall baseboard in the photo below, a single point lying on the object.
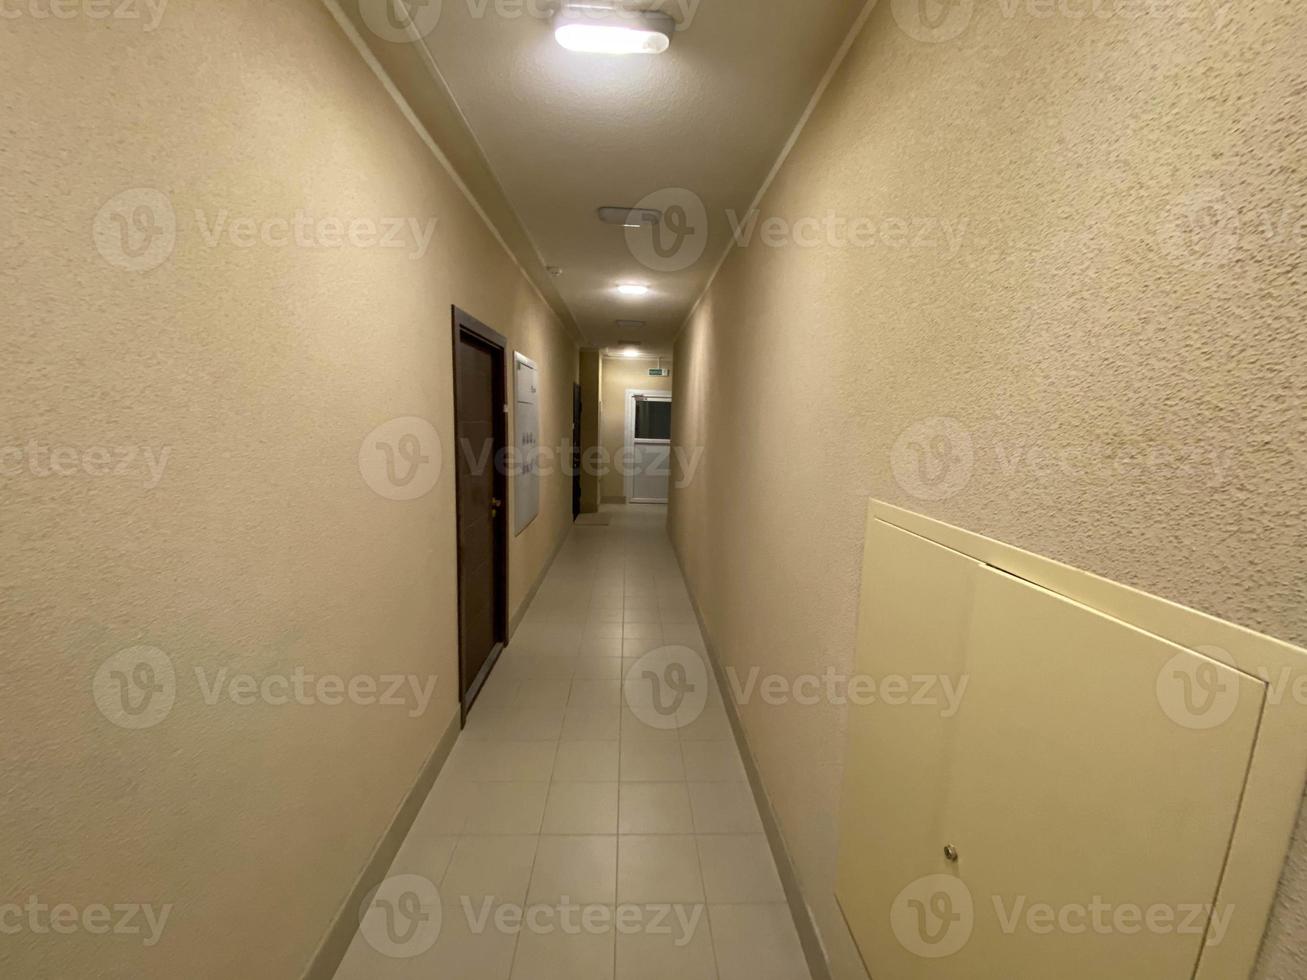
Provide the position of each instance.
(326, 961)
(804, 923)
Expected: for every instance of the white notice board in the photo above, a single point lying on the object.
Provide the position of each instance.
(526, 469)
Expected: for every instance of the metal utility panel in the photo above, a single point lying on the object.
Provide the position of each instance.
(526, 423)
(1098, 795)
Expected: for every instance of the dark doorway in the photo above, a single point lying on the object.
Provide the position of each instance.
(482, 494)
(576, 451)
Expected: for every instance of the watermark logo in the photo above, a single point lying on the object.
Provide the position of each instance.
(402, 459)
(678, 240)
(1196, 692)
(939, 692)
(933, 21)
(934, 916)
(1113, 463)
(136, 230)
(403, 917)
(668, 688)
(1201, 230)
(840, 231)
(933, 459)
(42, 461)
(1103, 918)
(40, 918)
(302, 230)
(136, 688)
(139, 688)
(299, 687)
(149, 13)
(401, 21)
(680, 922)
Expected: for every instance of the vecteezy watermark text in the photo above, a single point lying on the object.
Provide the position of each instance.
(574, 919)
(122, 919)
(1202, 690)
(405, 916)
(935, 917)
(138, 230)
(138, 688)
(43, 461)
(938, 458)
(148, 12)
(303, 230)
(941, 691)
(834, 230)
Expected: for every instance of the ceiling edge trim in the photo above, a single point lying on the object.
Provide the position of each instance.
(429, 60)
(836, 63)
(351, 32)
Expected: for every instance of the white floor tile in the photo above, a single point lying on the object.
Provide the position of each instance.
(739, 869)
(558, 955)
(557, 790)
(658, 869)
(652, 761)
(586, 762)
(724, 808)
(685, 952)
(581, 808)
(712, 762)
(655, 808)
(592, 722)
(476, 761)
(756, 942)
(582, 869)
(496, 867)
(505, 808)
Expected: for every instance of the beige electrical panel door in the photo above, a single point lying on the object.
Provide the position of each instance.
(914, 622)
(1075, 794)
(1087, 827)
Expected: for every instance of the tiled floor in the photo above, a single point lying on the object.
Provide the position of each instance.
(587, 828)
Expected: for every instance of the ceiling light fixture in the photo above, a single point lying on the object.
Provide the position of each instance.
(631, 352)
(596, 29)
(632, 289)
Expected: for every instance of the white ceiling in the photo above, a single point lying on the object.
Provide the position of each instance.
(566, 133)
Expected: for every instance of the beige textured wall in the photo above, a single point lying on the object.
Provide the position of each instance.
(1127, 399)
(619, 375)
(261, 549)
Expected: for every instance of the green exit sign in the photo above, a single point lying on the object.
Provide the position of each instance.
(659, 373)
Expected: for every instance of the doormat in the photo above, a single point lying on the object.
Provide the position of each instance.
(595, 520)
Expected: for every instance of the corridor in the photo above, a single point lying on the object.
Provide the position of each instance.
(564, 791)
(653, 490)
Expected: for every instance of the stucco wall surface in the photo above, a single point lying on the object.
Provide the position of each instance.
(164, 306)
(1037, 275)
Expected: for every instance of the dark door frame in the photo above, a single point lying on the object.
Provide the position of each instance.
(466, 324)
(577, 412)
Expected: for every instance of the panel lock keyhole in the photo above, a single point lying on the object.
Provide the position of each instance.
(951, 853)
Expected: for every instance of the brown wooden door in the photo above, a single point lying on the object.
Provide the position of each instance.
(479, 389)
